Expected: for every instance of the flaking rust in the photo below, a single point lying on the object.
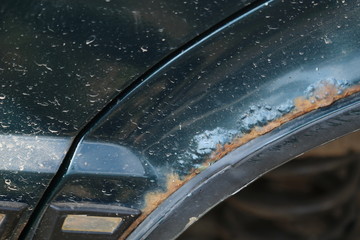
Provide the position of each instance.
(322, 97)
(154, 199)
(325, 95)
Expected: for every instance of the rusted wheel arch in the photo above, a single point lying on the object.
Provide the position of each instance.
(247, 163)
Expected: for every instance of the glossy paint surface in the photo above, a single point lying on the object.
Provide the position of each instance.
(62, 62)
(259, 68)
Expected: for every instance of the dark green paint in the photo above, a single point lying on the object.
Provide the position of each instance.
(62, 62)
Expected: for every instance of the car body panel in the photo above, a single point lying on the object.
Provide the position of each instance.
(264, 68)
(63, 62)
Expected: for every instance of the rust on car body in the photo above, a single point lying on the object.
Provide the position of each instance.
(154, 199)
(324, 94)
(322, 97)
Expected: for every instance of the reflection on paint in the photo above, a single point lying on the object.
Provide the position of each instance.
(32, 153)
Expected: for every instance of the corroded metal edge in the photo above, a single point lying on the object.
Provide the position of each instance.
(324, 95)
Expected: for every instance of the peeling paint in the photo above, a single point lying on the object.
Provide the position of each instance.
(323, 96)
(318, 95)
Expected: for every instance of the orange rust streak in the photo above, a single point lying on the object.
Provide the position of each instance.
(323, 96)
(154, 199)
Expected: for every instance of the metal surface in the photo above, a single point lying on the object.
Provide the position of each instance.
(62, 62)
(271, 65)
(244, 165)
